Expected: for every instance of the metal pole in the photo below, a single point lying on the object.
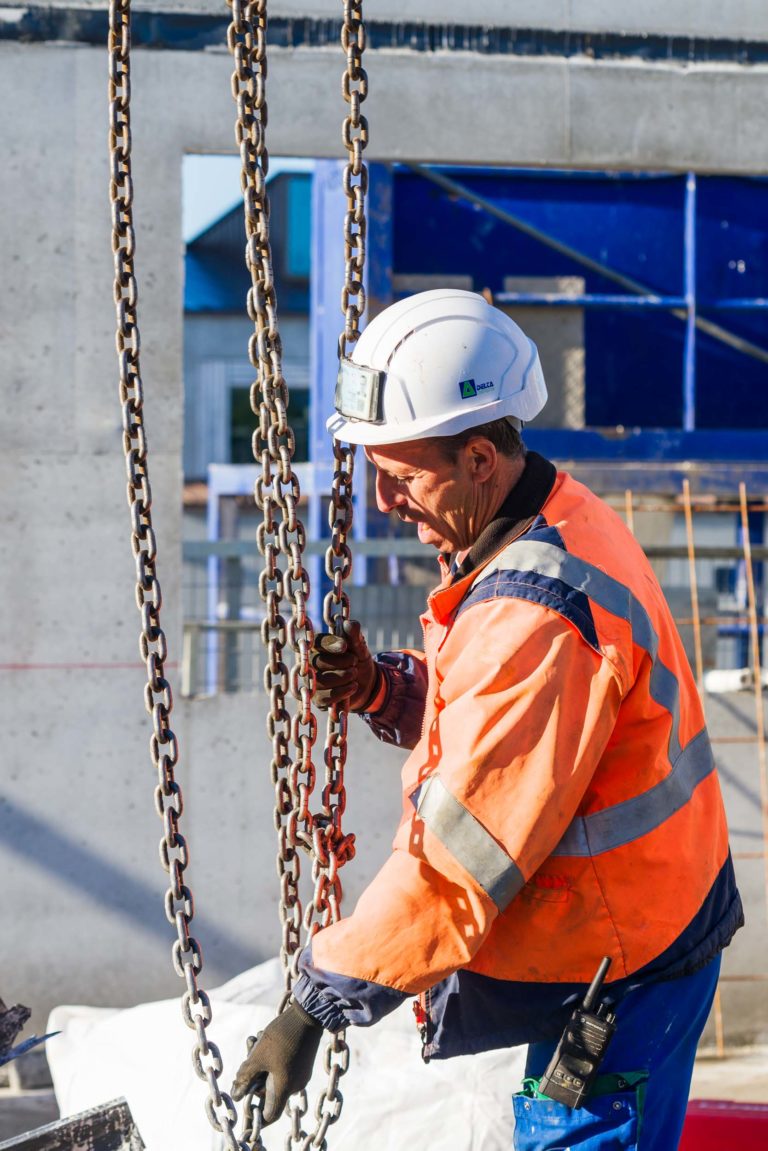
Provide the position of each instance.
(697, 647)
(326, 277)
(629, 510)
(762, 756)
(212, 525)
(689, 271)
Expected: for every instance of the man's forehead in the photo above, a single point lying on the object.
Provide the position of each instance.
(407, 453)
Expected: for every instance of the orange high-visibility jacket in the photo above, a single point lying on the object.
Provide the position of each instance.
(561, 804)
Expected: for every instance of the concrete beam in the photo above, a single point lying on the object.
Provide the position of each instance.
(727, 19)
(565, 113)
(730, 19)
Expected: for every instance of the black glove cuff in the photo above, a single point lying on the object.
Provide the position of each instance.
(307, 1019)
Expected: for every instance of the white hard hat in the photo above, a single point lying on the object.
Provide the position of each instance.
(435, 364)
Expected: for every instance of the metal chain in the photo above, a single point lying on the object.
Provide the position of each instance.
(355, 182)
(164, 747)
(281, 533)
(276, 493)
(332, 848)
(354, 87)
(277, 490)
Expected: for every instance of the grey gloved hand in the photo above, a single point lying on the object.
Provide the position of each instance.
(345, 670)
(280, 1062)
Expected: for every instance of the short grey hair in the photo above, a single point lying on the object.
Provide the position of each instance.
(503, 434)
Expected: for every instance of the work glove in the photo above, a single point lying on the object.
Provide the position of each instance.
(345, 670)
(280, 1062)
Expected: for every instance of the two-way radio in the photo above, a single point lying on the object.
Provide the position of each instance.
(577, 1058)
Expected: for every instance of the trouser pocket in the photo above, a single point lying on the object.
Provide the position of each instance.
(608, 1121)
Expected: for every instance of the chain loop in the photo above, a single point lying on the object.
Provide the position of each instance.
(158, 698)
(281, 537)
(281, 533)
(332, 848)
(277, 493)
(338, 560)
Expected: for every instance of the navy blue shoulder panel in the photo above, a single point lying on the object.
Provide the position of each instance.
(549, 592)
(540, 532)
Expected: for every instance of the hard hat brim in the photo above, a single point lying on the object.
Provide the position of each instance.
(371, 434)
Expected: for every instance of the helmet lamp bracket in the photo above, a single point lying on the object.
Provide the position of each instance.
(359, 392)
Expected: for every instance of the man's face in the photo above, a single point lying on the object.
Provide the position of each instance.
(423, 486)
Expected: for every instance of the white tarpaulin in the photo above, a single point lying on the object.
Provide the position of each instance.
(392, 1100)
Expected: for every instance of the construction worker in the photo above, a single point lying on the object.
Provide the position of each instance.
(561, 803)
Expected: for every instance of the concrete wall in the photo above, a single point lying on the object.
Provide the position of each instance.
(81, 892)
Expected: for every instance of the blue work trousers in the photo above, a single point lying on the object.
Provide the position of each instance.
(644, 1079)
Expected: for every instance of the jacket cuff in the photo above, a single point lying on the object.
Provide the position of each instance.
(398, 716)
(337, 1001)
(322, 1010)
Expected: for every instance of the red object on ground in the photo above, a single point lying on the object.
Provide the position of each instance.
(713, 1125)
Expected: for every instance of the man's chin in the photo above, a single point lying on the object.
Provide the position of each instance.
(428, 536)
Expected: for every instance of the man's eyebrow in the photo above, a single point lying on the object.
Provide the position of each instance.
(398, 475)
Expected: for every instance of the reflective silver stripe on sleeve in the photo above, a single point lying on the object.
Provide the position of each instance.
(623, 822)
(469, 843)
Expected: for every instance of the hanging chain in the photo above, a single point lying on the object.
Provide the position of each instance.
(277, 494)
(355, 182)
(281, 533)
(332, 848)
(277, 491)
(354, 87)
(164, 748)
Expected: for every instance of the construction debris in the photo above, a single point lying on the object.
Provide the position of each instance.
(109, 1127)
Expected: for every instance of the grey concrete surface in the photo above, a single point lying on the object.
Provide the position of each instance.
(732, 724)
(558, 333)
(79, 835)
(741, 1076)
(25, 1111)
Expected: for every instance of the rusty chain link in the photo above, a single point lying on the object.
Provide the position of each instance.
(164, 747)
(281, 534)
(354, 87)
(336, 848)
(332, 848)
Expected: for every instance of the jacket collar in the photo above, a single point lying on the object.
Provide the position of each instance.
(516, 514)
(524, 502)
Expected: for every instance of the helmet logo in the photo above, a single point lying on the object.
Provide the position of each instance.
(468, 388)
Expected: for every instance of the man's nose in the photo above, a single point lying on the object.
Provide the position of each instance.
(386, 493)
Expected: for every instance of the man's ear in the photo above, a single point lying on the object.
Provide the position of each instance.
(482, 458)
